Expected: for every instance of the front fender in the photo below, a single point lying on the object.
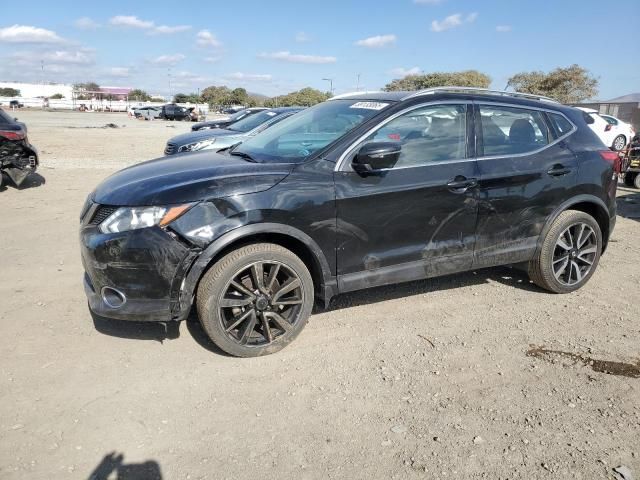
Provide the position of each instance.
(328, 289)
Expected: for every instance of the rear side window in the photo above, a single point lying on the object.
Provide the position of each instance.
(561, 124)
(4, 118)
(588, 118)
(511, 130)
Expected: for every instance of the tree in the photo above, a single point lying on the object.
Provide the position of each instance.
(217, 96)
(139, 95)
(303, 98)
(239, 96)
(567, 85)
(9, 92)
(467, 78)
(83, 88)
(56, 96)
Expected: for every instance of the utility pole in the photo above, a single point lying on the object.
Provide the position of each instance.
(170, 94)
(358, 83)
(330, 80)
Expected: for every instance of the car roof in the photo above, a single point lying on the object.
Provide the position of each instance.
(588, 110)
(285, 109)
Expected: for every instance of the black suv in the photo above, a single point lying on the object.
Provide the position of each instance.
(175, 112)
(362, 190)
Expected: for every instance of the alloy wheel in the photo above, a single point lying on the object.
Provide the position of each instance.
(574, 254)
(261, 303)
(619, 143)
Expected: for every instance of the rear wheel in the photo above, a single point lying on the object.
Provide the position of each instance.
(255, 300)
(619, 143)
(569, 254)
(636, 181)
(630, 179)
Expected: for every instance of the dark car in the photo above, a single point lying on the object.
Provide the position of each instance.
(224, 123)
(18, 158)
(360, 191)
(219, 138)
(175, 112)
(15, 104)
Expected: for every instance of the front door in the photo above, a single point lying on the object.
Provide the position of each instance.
(418, 218)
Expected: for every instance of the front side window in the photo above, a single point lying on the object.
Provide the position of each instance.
(511, 130)
(435, 133)
(298, 137)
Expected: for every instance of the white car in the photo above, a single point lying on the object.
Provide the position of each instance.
(614, 133)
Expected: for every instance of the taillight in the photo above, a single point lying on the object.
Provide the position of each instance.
(613, 158)
(607, 128)
(12, 134)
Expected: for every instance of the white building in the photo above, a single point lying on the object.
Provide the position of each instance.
(34, 90)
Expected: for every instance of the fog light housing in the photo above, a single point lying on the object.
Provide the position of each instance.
(113, 298)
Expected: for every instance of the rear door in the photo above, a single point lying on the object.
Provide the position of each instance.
(526, 171)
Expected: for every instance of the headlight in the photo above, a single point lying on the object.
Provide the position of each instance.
(133, 218)
(192, 147)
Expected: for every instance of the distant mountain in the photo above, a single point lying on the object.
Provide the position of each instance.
(259, 96)
(632, 97)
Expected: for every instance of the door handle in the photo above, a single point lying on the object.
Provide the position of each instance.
(460, 184)
(558, 170)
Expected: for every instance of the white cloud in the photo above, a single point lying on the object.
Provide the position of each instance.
(250, 77)
(28, 34)
(85, 23)
(166, 29)
(168, 60)
(453, 21)
(377, 42)
(211, 59)
(428, 2)
(130, 21)
(120, 72)
(503, 28)
(297, 58)
(403, 72)
(302, 37)
(69, 57)
(207, 39)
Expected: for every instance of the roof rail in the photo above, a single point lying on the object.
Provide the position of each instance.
(431, 91)
(348, 94)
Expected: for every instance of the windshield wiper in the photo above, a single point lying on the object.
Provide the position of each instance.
(246, 156)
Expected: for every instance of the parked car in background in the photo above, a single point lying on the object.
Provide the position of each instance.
(218, 138)
(625, 131)
(172, 111)
(613, 136)
(147, 112)
(362, 190)
(15, 104)
(225, 122)
(18, 158)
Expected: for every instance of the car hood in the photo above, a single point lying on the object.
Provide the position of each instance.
(188, 178)
(191, 137)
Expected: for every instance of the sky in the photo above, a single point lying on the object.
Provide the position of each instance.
(274, 47)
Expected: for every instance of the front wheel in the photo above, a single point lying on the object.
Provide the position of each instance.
(255, 300)
(619, 143)
(569, 254)
(630, 179)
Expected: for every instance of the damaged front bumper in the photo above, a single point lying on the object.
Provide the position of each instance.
(142, 269)
(18, 160)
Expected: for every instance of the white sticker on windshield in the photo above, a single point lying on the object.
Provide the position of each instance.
(369, 105)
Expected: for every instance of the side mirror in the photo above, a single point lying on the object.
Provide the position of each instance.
(376, 156)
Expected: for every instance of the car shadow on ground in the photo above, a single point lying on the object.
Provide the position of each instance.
(112, 467)
(32, 181)
(160, 332)
(628, 205)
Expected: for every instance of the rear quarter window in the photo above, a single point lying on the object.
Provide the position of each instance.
(588, 118)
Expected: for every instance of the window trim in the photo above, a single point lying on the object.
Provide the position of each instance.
(521, 107)
(342, 163)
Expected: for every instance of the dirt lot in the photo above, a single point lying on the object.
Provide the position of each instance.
(429, 379)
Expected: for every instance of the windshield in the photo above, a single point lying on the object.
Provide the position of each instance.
(239, 115)
(252, 121)
(299, 136)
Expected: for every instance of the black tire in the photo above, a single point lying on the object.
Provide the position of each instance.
(630, 179)
(619, 143)
(545, 270)
(266, 333)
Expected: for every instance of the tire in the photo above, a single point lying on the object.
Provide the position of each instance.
(619, 143)
(630, 179)
(252, 327)
(636, 181)
(546, 271)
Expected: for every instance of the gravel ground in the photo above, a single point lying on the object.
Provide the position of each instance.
(430, 379)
